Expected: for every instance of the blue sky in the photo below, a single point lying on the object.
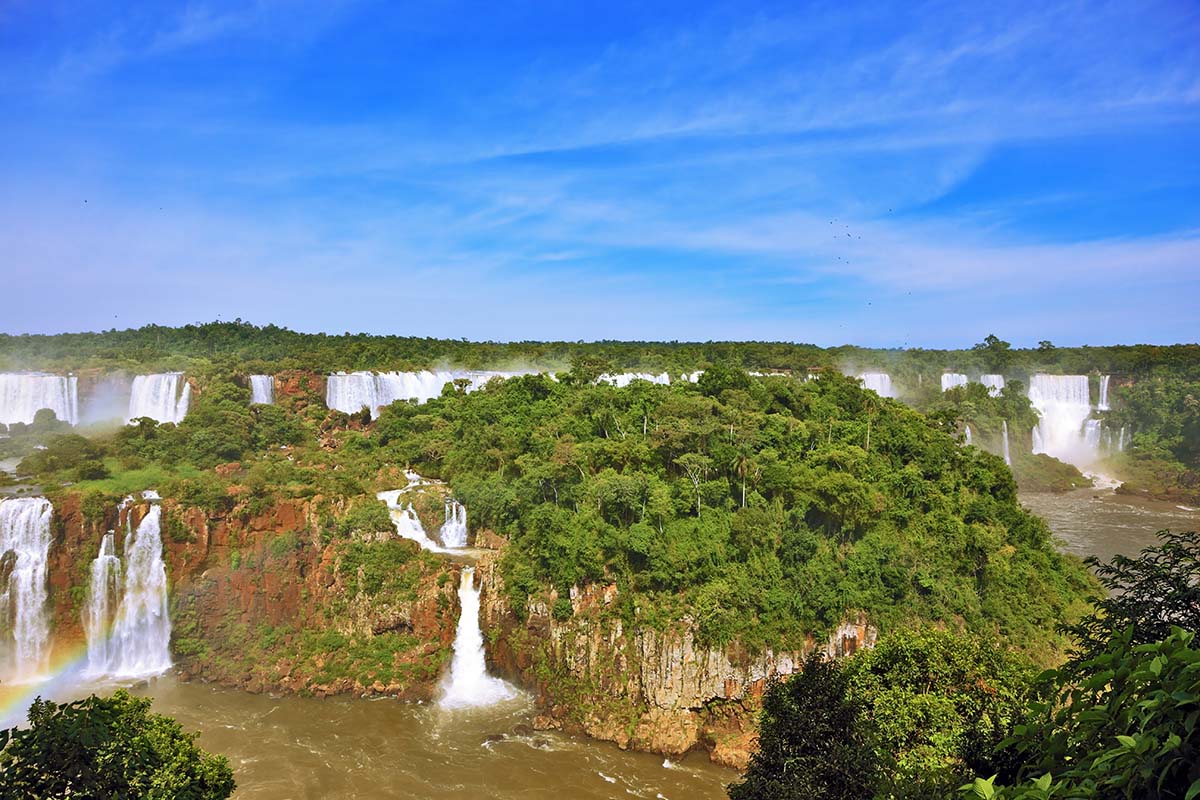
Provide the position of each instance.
(887, 174)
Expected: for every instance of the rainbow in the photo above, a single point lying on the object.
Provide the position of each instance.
(66, 679)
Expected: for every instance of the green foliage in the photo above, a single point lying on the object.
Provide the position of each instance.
(107, 747)
(203, 490)
(367, 515)
(997, 353)
(764, 514)
(285, 544)
(175, 527)
(1127, 728)
(1149, 594)
(811, 744)
(936, 704)
(378, 567)
(68, 452)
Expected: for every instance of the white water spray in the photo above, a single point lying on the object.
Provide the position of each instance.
(23, 394)
(1064, 404)
(24, 551)
(878, 382)
(103, 596)
(953, 379)
(164, 397)
(351, 392)
(994, 384)
(968, 434)
(262, 390)
(408, 524)
(453, 532)
(1004, 430)
(141, 633)
(1103, 404)
(623, 379)
(468, 683)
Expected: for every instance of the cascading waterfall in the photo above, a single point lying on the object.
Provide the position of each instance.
(468, 683)
(351, 392)
(968, 434)
(24, 551)
(103, 596)
(408, 524)
(141, 632)
(1004, 430)
(952, 379)
(23, 394)
(623, 379)
(1123, 439)
(164, 397)
(878, 382)
(262, 390)
(994, 384)
(453, 532)
(1064, 404)
(1103, 404)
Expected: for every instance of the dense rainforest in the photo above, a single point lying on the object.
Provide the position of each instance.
(766, 509)
(758, 511)
(242, 345)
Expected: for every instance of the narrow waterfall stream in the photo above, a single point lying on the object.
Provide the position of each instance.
(104, 594)
(262, 390)
(163, 397)
(24, 552)
(453, 532)
(468, 683)
(138, 645)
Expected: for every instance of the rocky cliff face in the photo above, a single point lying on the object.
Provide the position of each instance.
(266, 602)
(651, 690)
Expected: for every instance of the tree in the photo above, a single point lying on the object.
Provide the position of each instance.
(810, 742)
(1123, 727)
(996, 352)
(696, 467)
(1151, 593)
(107, 747)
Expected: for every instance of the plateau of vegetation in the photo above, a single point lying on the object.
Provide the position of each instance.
(926, 711)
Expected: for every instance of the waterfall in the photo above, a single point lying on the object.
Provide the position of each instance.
(968, 434)
(1004, 430)
(878, 382)
(103, 596)
(952, 379)
(625, 378)
(24, 551)
(454, 531)
(469, 683)
(1064, 404)
(408, 524)
(994, 384)
(141, 632)
(1123, 439)
(163, 397)
(351, 392)
(23, 394)
(262, 390)
(1103, 405)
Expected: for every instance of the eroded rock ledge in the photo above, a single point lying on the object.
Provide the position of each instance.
(658, 691)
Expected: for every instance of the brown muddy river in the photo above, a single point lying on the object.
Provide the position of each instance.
(293, 748)
(1101, 523)
(300, 749)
